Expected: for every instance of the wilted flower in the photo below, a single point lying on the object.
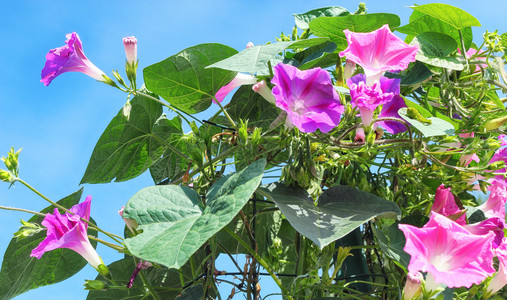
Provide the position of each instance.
(378, 51)
(308, 97)
(69, 231)
(448, 252)
(70, 58)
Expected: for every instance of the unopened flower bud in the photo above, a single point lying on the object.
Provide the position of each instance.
(95, 285)
(130, 44)
(6, 176)
(11, 161)
(495, 123)
(131, 224)
(249, 45)
(350, 68)
(412, 288)
(103, 270)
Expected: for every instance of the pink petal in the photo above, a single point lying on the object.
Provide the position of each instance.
(239, 80)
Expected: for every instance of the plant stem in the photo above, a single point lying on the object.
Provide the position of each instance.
(113, 246)
(22, 210)
(260, 260)
(146, 284)
(225, 113)
(167, 105)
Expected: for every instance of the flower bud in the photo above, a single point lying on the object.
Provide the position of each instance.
(249, 45)
(104, 271)
(11, 161)
(6, 176)
(495, 123)
(262, 88)
(412, 288)
(95, 285)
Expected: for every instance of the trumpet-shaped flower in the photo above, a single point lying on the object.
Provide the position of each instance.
(445, 205)
(308, 97)
(368, 98)
(378, 51)
(69, 58)
(239, 80)
(69, 231)
(448, 252)
(494, 225)
(495, 205)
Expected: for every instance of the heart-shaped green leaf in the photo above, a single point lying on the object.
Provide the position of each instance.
(454, 16)
(174, 222)
(303, 19)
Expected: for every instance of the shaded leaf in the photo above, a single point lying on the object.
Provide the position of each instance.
(340, 210)
(333, 27)
(183, 79)
(415, 75)
(249, 105)
(392, 243)
(174, 222)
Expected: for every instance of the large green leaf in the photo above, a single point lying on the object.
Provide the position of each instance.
(433, 126)
(20, 272)
(451, 15)
(249, 105)
(333, 27)
(340, 210)
(435, 48)
(251, 60)
(183, 79)
(420, 23)
(392, 242)
(303, 19)
(128, 147)
(172, 165)
(174, 222)
(322, 55)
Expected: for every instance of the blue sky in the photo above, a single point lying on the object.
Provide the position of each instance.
(58, 126)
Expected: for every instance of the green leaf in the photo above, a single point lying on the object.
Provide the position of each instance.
(183, 79)
(420, 23)
(172, 165)
(333, 27)
(417, 73)
(308, 43)
(340, 210)
(192, 292)
(128, 147)
(251, 60)
(435, 128)
(303, 19)
(322, 55)
(451, 15)
(20, 272)
(249, 105)
(392, 243)
(174, 222)
(435, 48)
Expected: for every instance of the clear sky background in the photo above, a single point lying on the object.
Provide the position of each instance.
(58, 126)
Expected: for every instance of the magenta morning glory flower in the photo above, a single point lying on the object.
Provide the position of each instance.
(495, 225)
(69, 231)
(390, 110)
(378, 51)
(448, 252)
(368, 98)
(69, 58)
(308, 97)
(445, 205)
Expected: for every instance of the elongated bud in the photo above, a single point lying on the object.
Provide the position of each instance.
(350, 68)
(27, 229)
(412, 288)
(95, 285)
(495, 123)
(249, 45)
(130, 44)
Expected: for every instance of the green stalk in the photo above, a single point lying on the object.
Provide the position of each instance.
(22, 210)
(260, 260)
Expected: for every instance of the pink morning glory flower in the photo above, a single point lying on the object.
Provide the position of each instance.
(368, 98)
(494, 225)
(390, 110)
(308, 97)
(378, 51)
(69, 231)
(445, 205)
(495, 205)
(69, 58)
(448, 252)
(239, 80)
